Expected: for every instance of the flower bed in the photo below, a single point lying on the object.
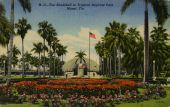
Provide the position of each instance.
(77, 82)
(81, 92)
(73, 85)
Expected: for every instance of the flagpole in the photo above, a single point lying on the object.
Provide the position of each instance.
(89, 55)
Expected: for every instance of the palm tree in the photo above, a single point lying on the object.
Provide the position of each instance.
(116, 33)
(26, 5)
(2, 10)
(16, 52)
(3, 19)
(99, 47)
(5, 31)
(5, 34)
(43, 31)
(22, 29)
(80, 56)
(55, 45)
(159, 48)
(35, 62)
(51, 34)
(27, 60)
(63, 51)
(161, 11)
(5, 27)
(133, 53)
(106, 55)
(38, 48)
(3, 60)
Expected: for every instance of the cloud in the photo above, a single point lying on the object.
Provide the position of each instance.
(81, 42)
(30, 38)
(73, 42)
(141, 28)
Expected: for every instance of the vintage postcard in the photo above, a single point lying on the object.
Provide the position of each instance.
(85, 53)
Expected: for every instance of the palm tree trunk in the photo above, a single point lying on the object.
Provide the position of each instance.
(115, 57)
(110, 65)
(54, 65)
(7, 51)
(100, 68)
(50, 64)
(39, 65)
(58, 65)
(23, 62)
(44, 60)
(119, 61)
(103, 72)
(146, 43)
(62, 58)
(11, 40)
(107, 66)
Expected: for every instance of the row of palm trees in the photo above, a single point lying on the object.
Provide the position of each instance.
(160, 9)
(22, 28)
(121, 49)
(46, 31)
(9, 27)
(56, 50)
(32, 60)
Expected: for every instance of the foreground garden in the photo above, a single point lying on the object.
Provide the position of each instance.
(79, 92)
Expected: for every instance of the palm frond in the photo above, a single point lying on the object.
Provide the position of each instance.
(126, 5)
(160, 9)
(2, 9)
(26, 5)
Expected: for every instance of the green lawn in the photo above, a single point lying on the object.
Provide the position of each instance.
(163, 102)
(21, 105)
(28, 76)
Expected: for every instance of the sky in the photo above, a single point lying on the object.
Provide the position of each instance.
(73, 26)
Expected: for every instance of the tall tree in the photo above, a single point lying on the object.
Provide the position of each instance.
(5, 31)
(55, 45)
(51, 34)
(116, 33)
(5, 27)
(35, 63)
(133, 53)
(3, 60)
(38, 49)
(80, 56)
(99, 47)
(15, 59)
(22, 28)
(2, 10)
(26, 5)
(27, 59)
(63, 51)
(159, 48)
(43, 31)
(160, 9)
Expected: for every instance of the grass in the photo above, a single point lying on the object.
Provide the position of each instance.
(18, 76)
(28, 76)
(163, 102)
(21, 105)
